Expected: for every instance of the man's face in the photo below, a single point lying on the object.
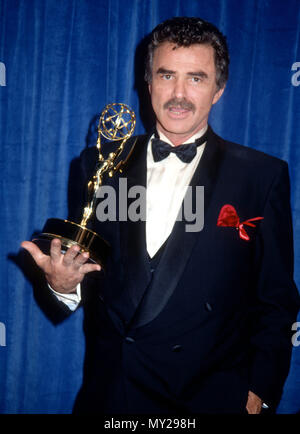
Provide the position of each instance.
(183, 89)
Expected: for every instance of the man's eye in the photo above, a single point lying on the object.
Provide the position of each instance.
(196, 79)
(167, 76)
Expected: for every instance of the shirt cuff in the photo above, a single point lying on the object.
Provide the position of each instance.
(70, 300)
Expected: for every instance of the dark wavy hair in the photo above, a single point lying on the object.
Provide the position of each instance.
(184, 32)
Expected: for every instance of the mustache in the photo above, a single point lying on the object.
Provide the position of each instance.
(180, 103)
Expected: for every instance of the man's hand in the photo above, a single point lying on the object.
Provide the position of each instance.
(254, 403)
(63, 271)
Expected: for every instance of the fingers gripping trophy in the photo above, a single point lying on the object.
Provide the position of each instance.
(116, 123)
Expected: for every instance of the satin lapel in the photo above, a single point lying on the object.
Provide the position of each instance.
(180, 244)
(133, 234)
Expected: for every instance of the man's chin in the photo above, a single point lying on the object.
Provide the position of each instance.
(176, 129)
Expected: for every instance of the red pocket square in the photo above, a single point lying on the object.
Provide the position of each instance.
(228, 217)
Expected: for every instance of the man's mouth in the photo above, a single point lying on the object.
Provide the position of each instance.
(178, 110)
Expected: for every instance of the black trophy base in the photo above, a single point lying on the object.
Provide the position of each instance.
(71, 234)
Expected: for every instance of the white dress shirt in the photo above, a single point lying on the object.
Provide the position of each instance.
(167, 182)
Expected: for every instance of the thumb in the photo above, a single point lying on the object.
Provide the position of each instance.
(35, 252)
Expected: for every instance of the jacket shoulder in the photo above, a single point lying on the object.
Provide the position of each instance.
(90, 155)
(247, 157)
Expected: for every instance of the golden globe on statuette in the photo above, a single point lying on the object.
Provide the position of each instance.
(116, 123)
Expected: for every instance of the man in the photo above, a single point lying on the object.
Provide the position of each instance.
(185, 321)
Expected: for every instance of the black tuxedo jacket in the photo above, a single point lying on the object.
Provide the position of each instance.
(210, 317)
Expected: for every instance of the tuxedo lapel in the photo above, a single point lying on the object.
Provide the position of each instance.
(133, 233)
(180, 243)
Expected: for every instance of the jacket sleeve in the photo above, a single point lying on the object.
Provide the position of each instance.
(277, 296)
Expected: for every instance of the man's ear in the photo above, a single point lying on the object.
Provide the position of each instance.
(149, 88)
(218, 95)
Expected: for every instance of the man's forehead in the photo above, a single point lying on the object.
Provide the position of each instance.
(196, 54)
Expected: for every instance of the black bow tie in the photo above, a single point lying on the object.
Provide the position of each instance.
(185, 152)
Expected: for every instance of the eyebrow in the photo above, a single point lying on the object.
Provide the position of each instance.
(200, 74)
(164, 71)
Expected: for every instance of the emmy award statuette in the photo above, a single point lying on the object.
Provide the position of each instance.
(116, 123)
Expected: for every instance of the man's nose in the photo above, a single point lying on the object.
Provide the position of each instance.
(179, 88)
